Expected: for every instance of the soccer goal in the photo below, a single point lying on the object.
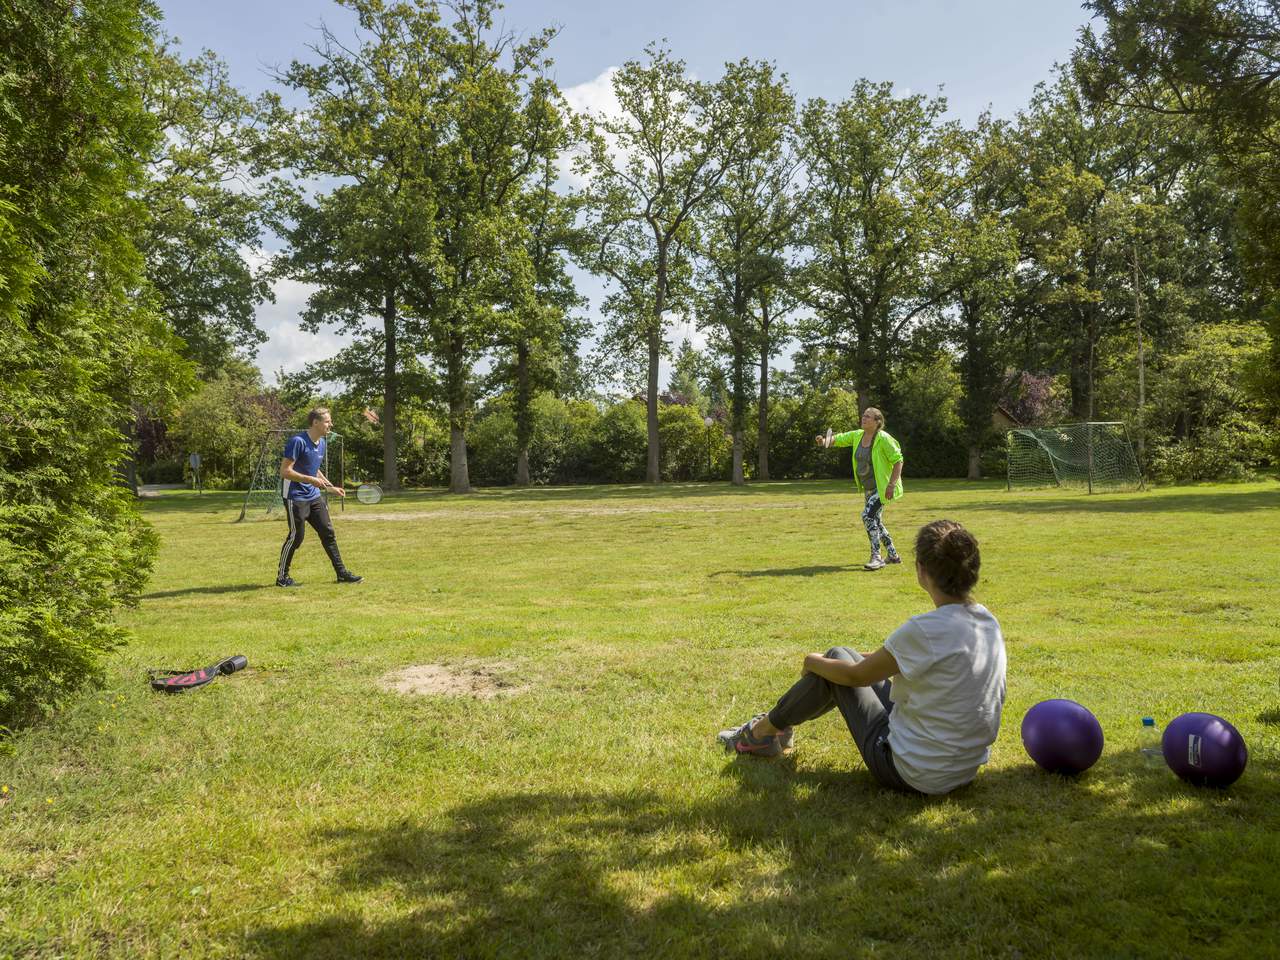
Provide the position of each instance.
(265, 496)
(1096, 456)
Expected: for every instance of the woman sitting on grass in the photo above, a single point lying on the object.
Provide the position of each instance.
(930, 730)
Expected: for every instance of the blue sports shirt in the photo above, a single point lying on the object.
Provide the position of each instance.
(308, 458)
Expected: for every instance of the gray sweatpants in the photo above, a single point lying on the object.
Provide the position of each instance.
(865, 711)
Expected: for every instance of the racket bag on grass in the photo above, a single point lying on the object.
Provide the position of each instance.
(180, 681)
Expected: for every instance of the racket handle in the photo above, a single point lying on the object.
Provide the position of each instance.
(232, 664)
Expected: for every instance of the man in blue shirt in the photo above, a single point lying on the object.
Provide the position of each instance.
(303, 500)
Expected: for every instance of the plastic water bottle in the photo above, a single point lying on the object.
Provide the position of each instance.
(1149, 743)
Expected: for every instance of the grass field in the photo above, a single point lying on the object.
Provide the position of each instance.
(300, 809)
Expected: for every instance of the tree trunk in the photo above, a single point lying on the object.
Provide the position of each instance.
(864, 373)
(1142, 369)
(456, 380)
(1093, 342)
(762, 443)
(1079, 372)
(390, 472)
(459, 477)
(651, 473)
(975, 462)
(977, 400)
(524, 424)
(739, 409)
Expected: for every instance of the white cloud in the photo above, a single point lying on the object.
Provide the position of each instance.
(289, 347)
(679, 328)
(682, 328)
(595, 96)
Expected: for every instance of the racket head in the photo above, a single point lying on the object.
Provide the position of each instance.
(369, 493)
(827, 440)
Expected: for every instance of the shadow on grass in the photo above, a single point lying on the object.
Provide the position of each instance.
(808, 863)
(1219, 501)
(815, 571)
(1270, 716)
(225, 588)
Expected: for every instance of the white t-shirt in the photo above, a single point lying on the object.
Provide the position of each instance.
(947, 697)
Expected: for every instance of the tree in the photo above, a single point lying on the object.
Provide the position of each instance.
(204, 222)
(225, 419)
(1089, 166)
(745, 231)
(776, 301)
(649, 169)
(1217, 63)
(978, 266)
(79, 339)
(499, 123)
(883, 174)
(539, 332)
(1208, 423)
(372, 121)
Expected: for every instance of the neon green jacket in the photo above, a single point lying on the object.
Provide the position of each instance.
(885, 452)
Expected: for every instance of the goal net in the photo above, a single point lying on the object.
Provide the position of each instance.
(265, 496)
(1095, 456)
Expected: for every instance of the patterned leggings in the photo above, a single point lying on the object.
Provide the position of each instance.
(876, 532)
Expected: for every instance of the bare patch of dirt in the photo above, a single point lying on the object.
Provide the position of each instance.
(482, 680)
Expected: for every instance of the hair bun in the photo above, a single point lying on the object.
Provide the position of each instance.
(950, 554)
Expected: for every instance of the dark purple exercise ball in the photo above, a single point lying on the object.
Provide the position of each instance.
(1204, 750)
(1062, 736)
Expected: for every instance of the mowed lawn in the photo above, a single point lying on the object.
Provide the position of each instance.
(300, 809)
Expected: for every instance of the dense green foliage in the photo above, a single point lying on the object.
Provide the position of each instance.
(1215, 63)
(224, 421)
(78, 345)
(1205, 407)
(574, 441)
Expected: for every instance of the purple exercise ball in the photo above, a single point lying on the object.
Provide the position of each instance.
(1062, 736)
(1204, 750)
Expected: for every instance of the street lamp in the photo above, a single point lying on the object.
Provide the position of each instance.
(708, 423)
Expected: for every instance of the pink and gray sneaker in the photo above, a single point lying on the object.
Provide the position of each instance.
(740, 740)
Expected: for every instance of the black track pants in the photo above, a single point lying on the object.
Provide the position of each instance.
(316, 513)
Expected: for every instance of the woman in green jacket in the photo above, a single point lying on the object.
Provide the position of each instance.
(877, 469)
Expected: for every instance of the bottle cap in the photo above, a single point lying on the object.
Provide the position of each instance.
(1148, 721)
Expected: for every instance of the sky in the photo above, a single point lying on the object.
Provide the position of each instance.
(980, 54)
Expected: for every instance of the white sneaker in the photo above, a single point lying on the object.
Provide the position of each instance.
(875, 563)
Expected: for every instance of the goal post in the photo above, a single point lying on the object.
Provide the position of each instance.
(1093, 456)
(265, 496)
